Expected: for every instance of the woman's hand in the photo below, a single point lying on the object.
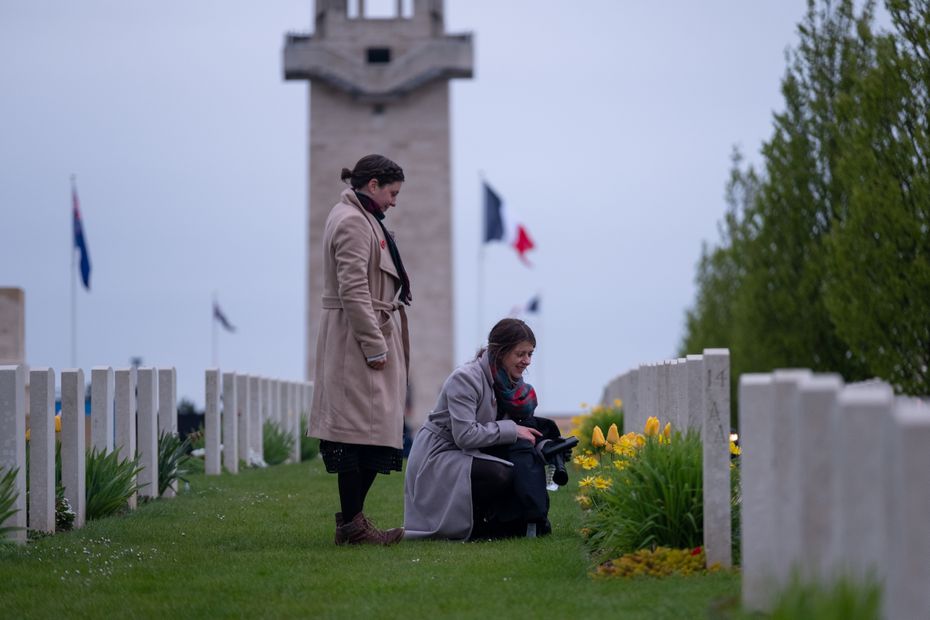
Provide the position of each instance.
(530, 434)
(378, 364)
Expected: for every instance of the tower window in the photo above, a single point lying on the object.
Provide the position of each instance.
(379, 55)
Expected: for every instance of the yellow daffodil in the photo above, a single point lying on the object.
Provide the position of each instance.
(667, 431)
(620, 463)
(58, 423)
(601, 483)
(652, 426)
(613, 435)
(735, 450)
(586, 482)
(583, 500)
(597, 438)
(589, 463)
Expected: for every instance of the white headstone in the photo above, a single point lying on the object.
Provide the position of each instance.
(814, 483)
(695, 413)
(864, 416)
(257, 395)
(230, 423)
(102, 388)
(73, 427)
(168, 412)
(243, 430)
(758, 441)
(663, 393)
(716, 439)
(212, 423)
(13, 442)
(42, 449)
(125, 443)
(906, 594)
(293, 413)
(785, 466)
(147, 431)
(681, 384)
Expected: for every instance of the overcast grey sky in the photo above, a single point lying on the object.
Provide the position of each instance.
(606, 124)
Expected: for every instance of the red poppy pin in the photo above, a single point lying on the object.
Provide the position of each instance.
(383, 244)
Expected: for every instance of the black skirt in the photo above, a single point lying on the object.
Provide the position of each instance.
(347, 457)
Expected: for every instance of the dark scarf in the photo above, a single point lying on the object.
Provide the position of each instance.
(516, 400)
(375, 210)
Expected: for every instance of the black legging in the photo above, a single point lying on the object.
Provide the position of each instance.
(491, 482)
(353, 488)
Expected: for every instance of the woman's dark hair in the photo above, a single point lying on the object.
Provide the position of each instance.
(371, 167)
(505, 336)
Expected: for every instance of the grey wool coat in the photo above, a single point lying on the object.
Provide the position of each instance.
(437, 487)
(353, 403)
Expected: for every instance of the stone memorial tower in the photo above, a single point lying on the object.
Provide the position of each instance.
(381, 85)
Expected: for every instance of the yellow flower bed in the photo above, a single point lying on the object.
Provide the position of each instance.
(658, 562)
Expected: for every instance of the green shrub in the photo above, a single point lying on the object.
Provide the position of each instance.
(8, 496)
(654, 500)
(277, 444)
(844, 600)
(309, 446)
(174, 460)
(599, 415)
(110, 482)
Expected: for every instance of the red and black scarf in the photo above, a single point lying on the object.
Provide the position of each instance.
(516, 400)
(370, 206)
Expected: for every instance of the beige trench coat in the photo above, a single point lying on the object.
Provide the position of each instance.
(353, 403)
(437, 486)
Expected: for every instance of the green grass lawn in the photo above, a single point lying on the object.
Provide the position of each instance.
(259, 544)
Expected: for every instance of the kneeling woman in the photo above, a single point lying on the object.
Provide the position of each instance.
(453, 486)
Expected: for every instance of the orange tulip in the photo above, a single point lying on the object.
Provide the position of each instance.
(613, 436)
(652, 426)
(597, 438)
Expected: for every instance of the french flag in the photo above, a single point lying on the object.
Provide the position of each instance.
(498, 226)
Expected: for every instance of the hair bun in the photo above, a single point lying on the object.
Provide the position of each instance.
(346, 174)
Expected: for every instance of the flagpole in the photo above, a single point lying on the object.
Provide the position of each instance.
(73, 285)
(480, 313)
(215, 355)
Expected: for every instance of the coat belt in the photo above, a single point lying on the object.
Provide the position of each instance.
(333, 302)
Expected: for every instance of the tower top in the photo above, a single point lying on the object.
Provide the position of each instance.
(377, 59)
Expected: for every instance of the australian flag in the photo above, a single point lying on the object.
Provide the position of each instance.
(80, 244)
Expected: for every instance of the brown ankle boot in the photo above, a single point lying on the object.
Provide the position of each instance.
(340, 538)
(360, 531)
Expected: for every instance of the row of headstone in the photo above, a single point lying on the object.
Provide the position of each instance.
(834, 486)
(125, 416)
(130, 408)
(693, 393)
(237, 407)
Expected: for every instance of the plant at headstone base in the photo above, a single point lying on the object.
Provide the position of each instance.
(64, 513)
(658, 562)
(309, 446)
(110, 482)
(276, 444)
(648, 493)
(844, 600)
(174, 460)
(8, 496)
(197, 440)
(597, 416)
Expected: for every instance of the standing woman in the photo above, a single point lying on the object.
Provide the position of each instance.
(362, 352)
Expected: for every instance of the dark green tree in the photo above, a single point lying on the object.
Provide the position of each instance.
(878, 290)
